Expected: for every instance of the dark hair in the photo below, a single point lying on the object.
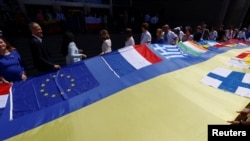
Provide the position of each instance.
(31, 25)
(145, 25)
(128, 33)
(189, 29)
(9, 47)
(67, 38)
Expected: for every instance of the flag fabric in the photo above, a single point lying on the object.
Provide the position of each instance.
(129, 59)
(242, 42)
(168, 51)
(241, 60)
(4, 94)
(130, 87)
(228, 80)
(208, 43)
(192, 48)
(46, 90)
(231, 43)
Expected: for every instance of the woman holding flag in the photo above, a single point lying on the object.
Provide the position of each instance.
(11, 65)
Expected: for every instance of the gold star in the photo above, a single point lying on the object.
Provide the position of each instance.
(62, 93)
(46, 94)
(72, 85)
(43, 85)
(42, 90)
(53, 95)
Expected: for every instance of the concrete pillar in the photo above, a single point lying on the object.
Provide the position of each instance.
(236, 12)
(22, 7)
(222, 13)
(111, 7)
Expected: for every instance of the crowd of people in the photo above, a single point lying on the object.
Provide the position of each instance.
(72, 54)
(12, 67)
(178, 34)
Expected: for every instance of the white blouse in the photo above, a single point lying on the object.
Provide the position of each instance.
(130, 42)
(106, 46)
(73, 54)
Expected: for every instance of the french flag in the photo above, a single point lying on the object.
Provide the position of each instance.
(4, 93)
(129, 59)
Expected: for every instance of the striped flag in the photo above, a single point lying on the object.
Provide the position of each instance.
(228, 80)
(168, 51)
(4, 94)
(192, 48)
(129, 59)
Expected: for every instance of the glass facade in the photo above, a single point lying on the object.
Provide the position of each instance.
(87, 1)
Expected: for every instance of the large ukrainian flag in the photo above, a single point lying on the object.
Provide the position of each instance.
(138, 93)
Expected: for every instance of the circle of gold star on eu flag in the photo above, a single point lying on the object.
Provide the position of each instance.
(47, 93)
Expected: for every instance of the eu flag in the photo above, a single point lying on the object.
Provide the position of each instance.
(48, 89)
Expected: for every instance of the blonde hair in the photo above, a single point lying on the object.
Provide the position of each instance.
(159, 31)
(104, 34)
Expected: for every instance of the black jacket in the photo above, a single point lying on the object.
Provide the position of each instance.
(41, 58)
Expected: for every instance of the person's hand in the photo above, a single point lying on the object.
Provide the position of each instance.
(244, 111)
(24, 77)
(101, 53)
(4, 80)
(84, 56)
(242, 122)
(80, 50)
(57, 66)
(234, 122)
(173, 42)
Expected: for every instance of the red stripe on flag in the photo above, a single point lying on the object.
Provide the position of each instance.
(239, 41)
(221, 44)
(243, 55)
(147, 54)
(4, 88)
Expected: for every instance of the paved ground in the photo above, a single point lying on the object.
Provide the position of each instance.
(89, 42)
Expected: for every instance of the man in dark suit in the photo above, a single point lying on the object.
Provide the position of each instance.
(41, 58)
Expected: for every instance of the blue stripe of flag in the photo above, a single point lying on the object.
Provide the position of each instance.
(118, 63)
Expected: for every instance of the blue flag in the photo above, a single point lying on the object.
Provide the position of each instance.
(48, 89)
